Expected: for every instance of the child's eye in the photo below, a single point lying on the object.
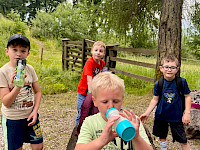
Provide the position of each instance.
(105, 102)
(116, 101)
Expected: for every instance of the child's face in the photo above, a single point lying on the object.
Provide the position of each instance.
(106, 99)
(169, 70)
(98, 52)
(16, 52)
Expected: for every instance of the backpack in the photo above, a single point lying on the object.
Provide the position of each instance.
(179, 88)
(87, 109)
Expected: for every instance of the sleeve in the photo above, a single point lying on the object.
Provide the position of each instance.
(143, 133)
(85, 135)
(33, 73)
(155, 92)
(88, 68)
(185, 86)
(3, 81)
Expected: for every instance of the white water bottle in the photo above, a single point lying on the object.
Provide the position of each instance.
(123, 127)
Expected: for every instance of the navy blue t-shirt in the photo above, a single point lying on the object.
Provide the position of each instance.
(170, 106)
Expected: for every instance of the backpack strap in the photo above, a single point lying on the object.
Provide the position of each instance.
(180, 90)
(160, 87)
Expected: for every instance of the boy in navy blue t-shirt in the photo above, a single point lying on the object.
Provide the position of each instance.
(169, 107)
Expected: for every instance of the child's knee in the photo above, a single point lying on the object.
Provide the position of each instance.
(37, 146)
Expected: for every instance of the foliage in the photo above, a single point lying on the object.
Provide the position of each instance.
(132, 20)
(19, 25)
(8, 28)
(63, 22)
(8, 5)
(192, 42)
(28, 8)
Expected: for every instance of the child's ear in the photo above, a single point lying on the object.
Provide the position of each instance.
(6, 50)
(160, 67)
(177, 69)
(94, 101)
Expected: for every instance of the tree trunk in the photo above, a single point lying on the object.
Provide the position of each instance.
(169, 41)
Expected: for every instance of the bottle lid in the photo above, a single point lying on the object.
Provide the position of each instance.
(109, 111)
(126, 130)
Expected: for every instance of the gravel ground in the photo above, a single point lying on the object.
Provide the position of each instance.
(58, 112)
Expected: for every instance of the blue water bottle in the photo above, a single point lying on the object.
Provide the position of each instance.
(123, 127)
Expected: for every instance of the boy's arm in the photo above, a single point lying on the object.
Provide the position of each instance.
(186, 115)
(7, 96)
(37, 96)
(152, 105)
(89, 83)
(106, 136)
(138, 142)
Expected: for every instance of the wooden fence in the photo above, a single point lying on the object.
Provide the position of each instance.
(76, 53)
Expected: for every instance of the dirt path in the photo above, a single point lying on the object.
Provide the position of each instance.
(57, 116)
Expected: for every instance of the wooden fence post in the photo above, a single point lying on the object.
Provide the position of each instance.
(65, 61)
(83, 53)
(111, 53)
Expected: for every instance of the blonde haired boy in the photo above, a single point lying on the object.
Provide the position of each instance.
(92, 67)
(96, 131)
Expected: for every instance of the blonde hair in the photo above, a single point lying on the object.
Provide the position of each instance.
(99, 43)
(107, 80)
(170, 58)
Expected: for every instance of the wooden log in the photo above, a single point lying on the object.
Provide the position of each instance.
(132, 75)
(138, 63)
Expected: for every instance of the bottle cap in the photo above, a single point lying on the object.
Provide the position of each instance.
(107, 113)
(126, 130)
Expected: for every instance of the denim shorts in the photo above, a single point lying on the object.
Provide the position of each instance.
(80, 99)
(17, 132)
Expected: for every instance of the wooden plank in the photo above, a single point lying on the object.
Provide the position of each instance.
(138, 63)
(136, 50)
(132, 75)
(88, 48)
(74, 56)
(70, 59)
(74, 46)
(75, 51)
(75, 42)
(75, 65)
(89, 41)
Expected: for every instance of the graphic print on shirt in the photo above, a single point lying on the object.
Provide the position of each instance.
(96, 71)
(24, 99)
(169, 97)
(116, 143)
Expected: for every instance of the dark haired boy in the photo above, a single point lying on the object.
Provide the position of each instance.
(169, 110)
(20, 122)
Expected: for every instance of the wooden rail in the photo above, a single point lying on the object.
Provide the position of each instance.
(76, 53)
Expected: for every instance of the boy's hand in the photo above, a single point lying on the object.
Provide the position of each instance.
(107, 134)
(13, 76)
(144, 117)
(133, 119)
(32, 116)
(186, 118)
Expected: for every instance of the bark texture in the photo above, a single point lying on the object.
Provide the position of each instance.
(169, 41)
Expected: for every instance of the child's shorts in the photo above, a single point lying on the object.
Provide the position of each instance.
(17, 132)
(160, 129)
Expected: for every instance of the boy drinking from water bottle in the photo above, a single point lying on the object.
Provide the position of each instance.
(20, 122)
(96, 131)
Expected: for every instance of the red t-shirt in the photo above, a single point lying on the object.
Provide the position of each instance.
(91, 68)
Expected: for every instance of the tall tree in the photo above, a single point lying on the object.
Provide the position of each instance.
(169, 41)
